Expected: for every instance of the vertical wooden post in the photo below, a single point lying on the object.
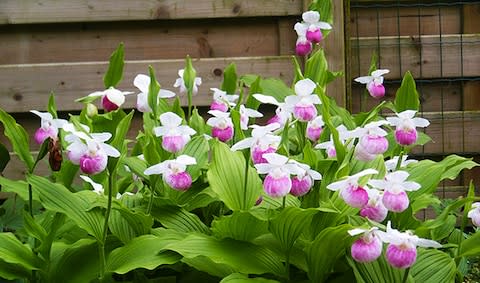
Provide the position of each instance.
(471, 14)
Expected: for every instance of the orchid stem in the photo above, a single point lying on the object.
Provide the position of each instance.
(150, 201)
(399, 162)
(284, 200)
(105, 226)
(405, 275)
(247, 161)
(189, 98)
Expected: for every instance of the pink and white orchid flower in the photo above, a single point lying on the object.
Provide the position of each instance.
(368, 247)
(311, 20)
(245, 114)
(180, 82)
(112, 98)
(395, 187)
(142, 82)
(374, 82)
(402, 248)
(374, 209)
(282, 113)
(221, 100)
(350, 190)
(277, 183)
(344, 135)
(262, 141)
(303, 103)
(391, 164)
(303, 46)
(174, 135)
(372, 141)
(222, 125)
(474, 214)
(315, 128)
(405, 126)
(48, 127)
(303, 182)
(174, 172)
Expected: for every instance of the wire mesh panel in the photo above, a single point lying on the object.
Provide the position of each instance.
(439, 43)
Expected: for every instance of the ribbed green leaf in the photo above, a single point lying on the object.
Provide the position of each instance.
(316, 68)
(252, 103)
(179, 219)
(229, 83)
(275, 88)
(18, 138)
(114, 73)
(407, 96)
(378, 271)
(33, 228)
(154, 88)
(324, 251)
(127, 224)
(433, 266)
(240, 225)
(242, 256)
(19, 187)
(13, 251)
(137, 166)
(289, 224)
(12, 271)
(205, 264)
(470, 246)
(226, 176)
(52, 105)
(242, 278)
(141, 252)
(197, 148)
(58, 198)
(197, 122)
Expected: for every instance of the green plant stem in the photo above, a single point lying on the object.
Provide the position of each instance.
(399, 162)
(189, 98)
(405, 275)
(30, 200)
(105, 226)
(247, 161)
(150, 201)
(284, 200)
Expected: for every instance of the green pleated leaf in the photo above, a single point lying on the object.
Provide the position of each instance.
(114, 73)
(470, 246)
(252, 103)
(33, 228)
(10, 271)
(4, 157)
(275, 88)
(15, 252)
(127, 224)
(58, 198)
(407, 96)
(444, 231)
(433, 266)
(197, 122)
(324, 251)
(378, 271)
(176, 218)
(242, 278)
(137, 166)
(154, 88)
(241, 256)
(289, 224)
(205, 264)
(197, 148)
(240, 225)
(229, 83)
(141, 252)
(52, 105)
(19, 187)
(226, 176)
(316, 68)
(18, 137)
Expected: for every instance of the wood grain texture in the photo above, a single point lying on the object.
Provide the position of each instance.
(53, 11)
(53, 43)
(430, 56)
(26, 87)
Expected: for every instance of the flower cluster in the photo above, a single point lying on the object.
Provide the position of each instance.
(309, 32)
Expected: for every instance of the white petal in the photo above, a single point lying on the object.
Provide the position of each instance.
(115, 96)
(312, 99)
(165, 93)
(96, 187)
(380, 72)
(301, 29)
(314, 174)
(43, 115)
(159, 168)
(275, 158)
(101, 137)
(380, 184)
(97, 93)
(59, 123)
(323, 25)
(266, 99)
(398, 176)
(394, 121)
(186, 160)
(186, 130)
(170, 120)
(409, 114)
(357, 231)
(305, 87)
(339, 185)
(291, 101)
(311, 17)
(142, 82)
(110, 150)
(420, 122)
(161, 131)
(428, 243)
(364, 173)
(219, 114)
(411, 186)
(245, 143)
(364, 80)
(252, 113)
(264, 168)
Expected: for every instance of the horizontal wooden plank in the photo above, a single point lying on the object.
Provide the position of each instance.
(393, 21)
(429, 56)
(25, 87)
(48, 11)
(26, 44)
(433, 97)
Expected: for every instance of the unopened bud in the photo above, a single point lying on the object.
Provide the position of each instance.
(91, 110)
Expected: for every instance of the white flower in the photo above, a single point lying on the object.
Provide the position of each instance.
(220, 120)
(282, 113)
(474, 214)
(376, 77)
(350, 180)
(405, 120)
(407, 239)
(245, 114)
(181, 83)
(142, 82)
(261, 136)
(48, 126)
(391, 164)
(112, 98)
(395, 182)
(278, 165)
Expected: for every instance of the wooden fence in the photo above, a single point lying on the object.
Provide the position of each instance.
(63, 46)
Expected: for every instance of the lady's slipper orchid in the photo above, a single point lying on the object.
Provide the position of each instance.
(351, 191)
(314, 26)
(368, 247)
(222, 125)
(181, 83)
(402, 248)
(303, 182)
(222, 100)
(374, 209)
(174, 135)
(282, 113)
(142, 82)
(314, 128)
(277, 183)
(262, 141)
(112, 98)
(373, 138)
(48, 127)
(344, 134)
(395, 186)
(374, 82)
(303, 46)
(245, 114)
(303, 104)
(405, 123)
(391, 164)
(174, 172)
(474, 214)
